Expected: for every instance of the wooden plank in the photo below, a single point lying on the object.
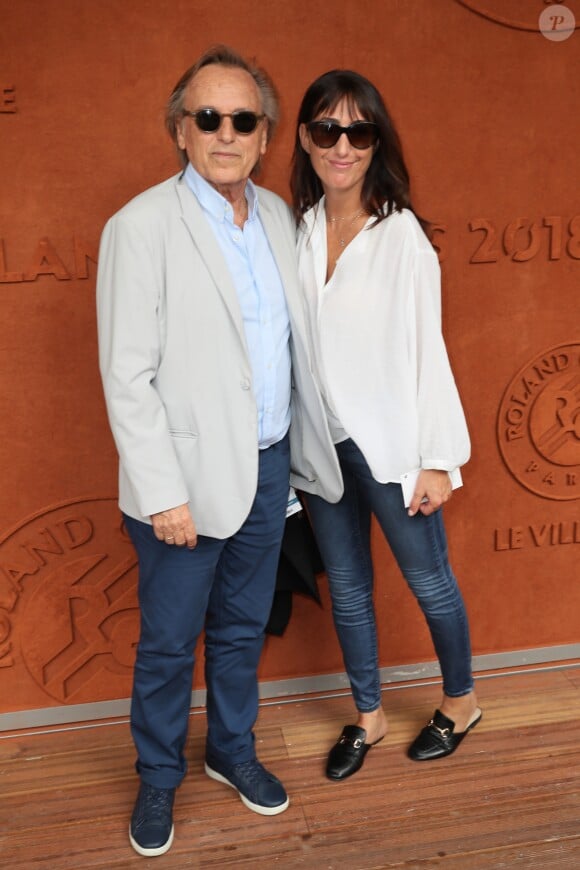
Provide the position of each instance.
(509, 797)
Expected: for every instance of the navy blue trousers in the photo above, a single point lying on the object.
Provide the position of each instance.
(225, 586)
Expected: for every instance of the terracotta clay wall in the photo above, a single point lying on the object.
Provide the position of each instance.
(487, 106)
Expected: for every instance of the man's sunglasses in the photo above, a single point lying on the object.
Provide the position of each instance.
(361, 134)
(209, 120)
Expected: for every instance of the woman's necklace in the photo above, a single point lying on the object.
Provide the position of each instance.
(351, 220)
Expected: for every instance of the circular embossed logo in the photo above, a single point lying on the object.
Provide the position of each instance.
(68, 606)
(557, 23)
(538, 427)
(535, 15)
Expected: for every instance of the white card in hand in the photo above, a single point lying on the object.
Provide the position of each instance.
(409, 480)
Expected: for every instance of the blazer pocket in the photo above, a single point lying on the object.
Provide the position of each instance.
(182, 433)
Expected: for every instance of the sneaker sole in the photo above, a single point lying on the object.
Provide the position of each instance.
(256, 808)
(151, 853)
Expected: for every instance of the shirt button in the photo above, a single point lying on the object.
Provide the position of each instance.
(245, 383)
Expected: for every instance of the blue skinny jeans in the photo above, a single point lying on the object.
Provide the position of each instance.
(419, 545)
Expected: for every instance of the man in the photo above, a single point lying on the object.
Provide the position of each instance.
(203, 353)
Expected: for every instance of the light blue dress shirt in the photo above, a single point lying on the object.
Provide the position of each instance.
(262, 303)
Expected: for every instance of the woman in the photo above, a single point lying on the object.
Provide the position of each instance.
(372, 286)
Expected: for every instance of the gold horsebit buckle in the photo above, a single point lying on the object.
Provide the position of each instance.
(356, 743)
(444, 732)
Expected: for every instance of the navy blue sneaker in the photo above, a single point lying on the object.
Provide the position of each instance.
(151, 828)
(258, 789)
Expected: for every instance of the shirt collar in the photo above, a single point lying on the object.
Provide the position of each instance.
(213, 202)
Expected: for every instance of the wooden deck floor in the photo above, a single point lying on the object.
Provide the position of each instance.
(509, 797)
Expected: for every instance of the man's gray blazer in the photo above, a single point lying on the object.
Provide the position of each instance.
(175, 366)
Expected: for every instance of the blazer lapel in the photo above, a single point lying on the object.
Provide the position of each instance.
(285, 257)
(210, 252)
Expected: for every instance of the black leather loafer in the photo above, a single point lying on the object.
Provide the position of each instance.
(437, 739)
(348, 753)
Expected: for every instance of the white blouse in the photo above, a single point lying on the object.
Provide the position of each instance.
(379, 355)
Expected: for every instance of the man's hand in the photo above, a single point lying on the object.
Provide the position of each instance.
(175, 526)
(432, 490)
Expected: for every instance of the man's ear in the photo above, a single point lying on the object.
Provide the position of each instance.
(264, 137)
(179, 134)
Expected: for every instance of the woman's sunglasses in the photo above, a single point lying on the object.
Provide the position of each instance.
(361, 134)
(209, 120)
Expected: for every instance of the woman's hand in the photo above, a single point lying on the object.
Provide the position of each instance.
(433, 489)
(175, 527)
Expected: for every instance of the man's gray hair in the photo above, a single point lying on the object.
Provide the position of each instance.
(224, 56)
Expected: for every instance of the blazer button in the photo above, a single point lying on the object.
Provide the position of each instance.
(245, 383)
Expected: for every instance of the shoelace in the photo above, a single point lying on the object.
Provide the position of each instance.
(155, 801)
(251, 771)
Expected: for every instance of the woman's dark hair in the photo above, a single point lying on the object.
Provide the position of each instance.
(386, 185)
